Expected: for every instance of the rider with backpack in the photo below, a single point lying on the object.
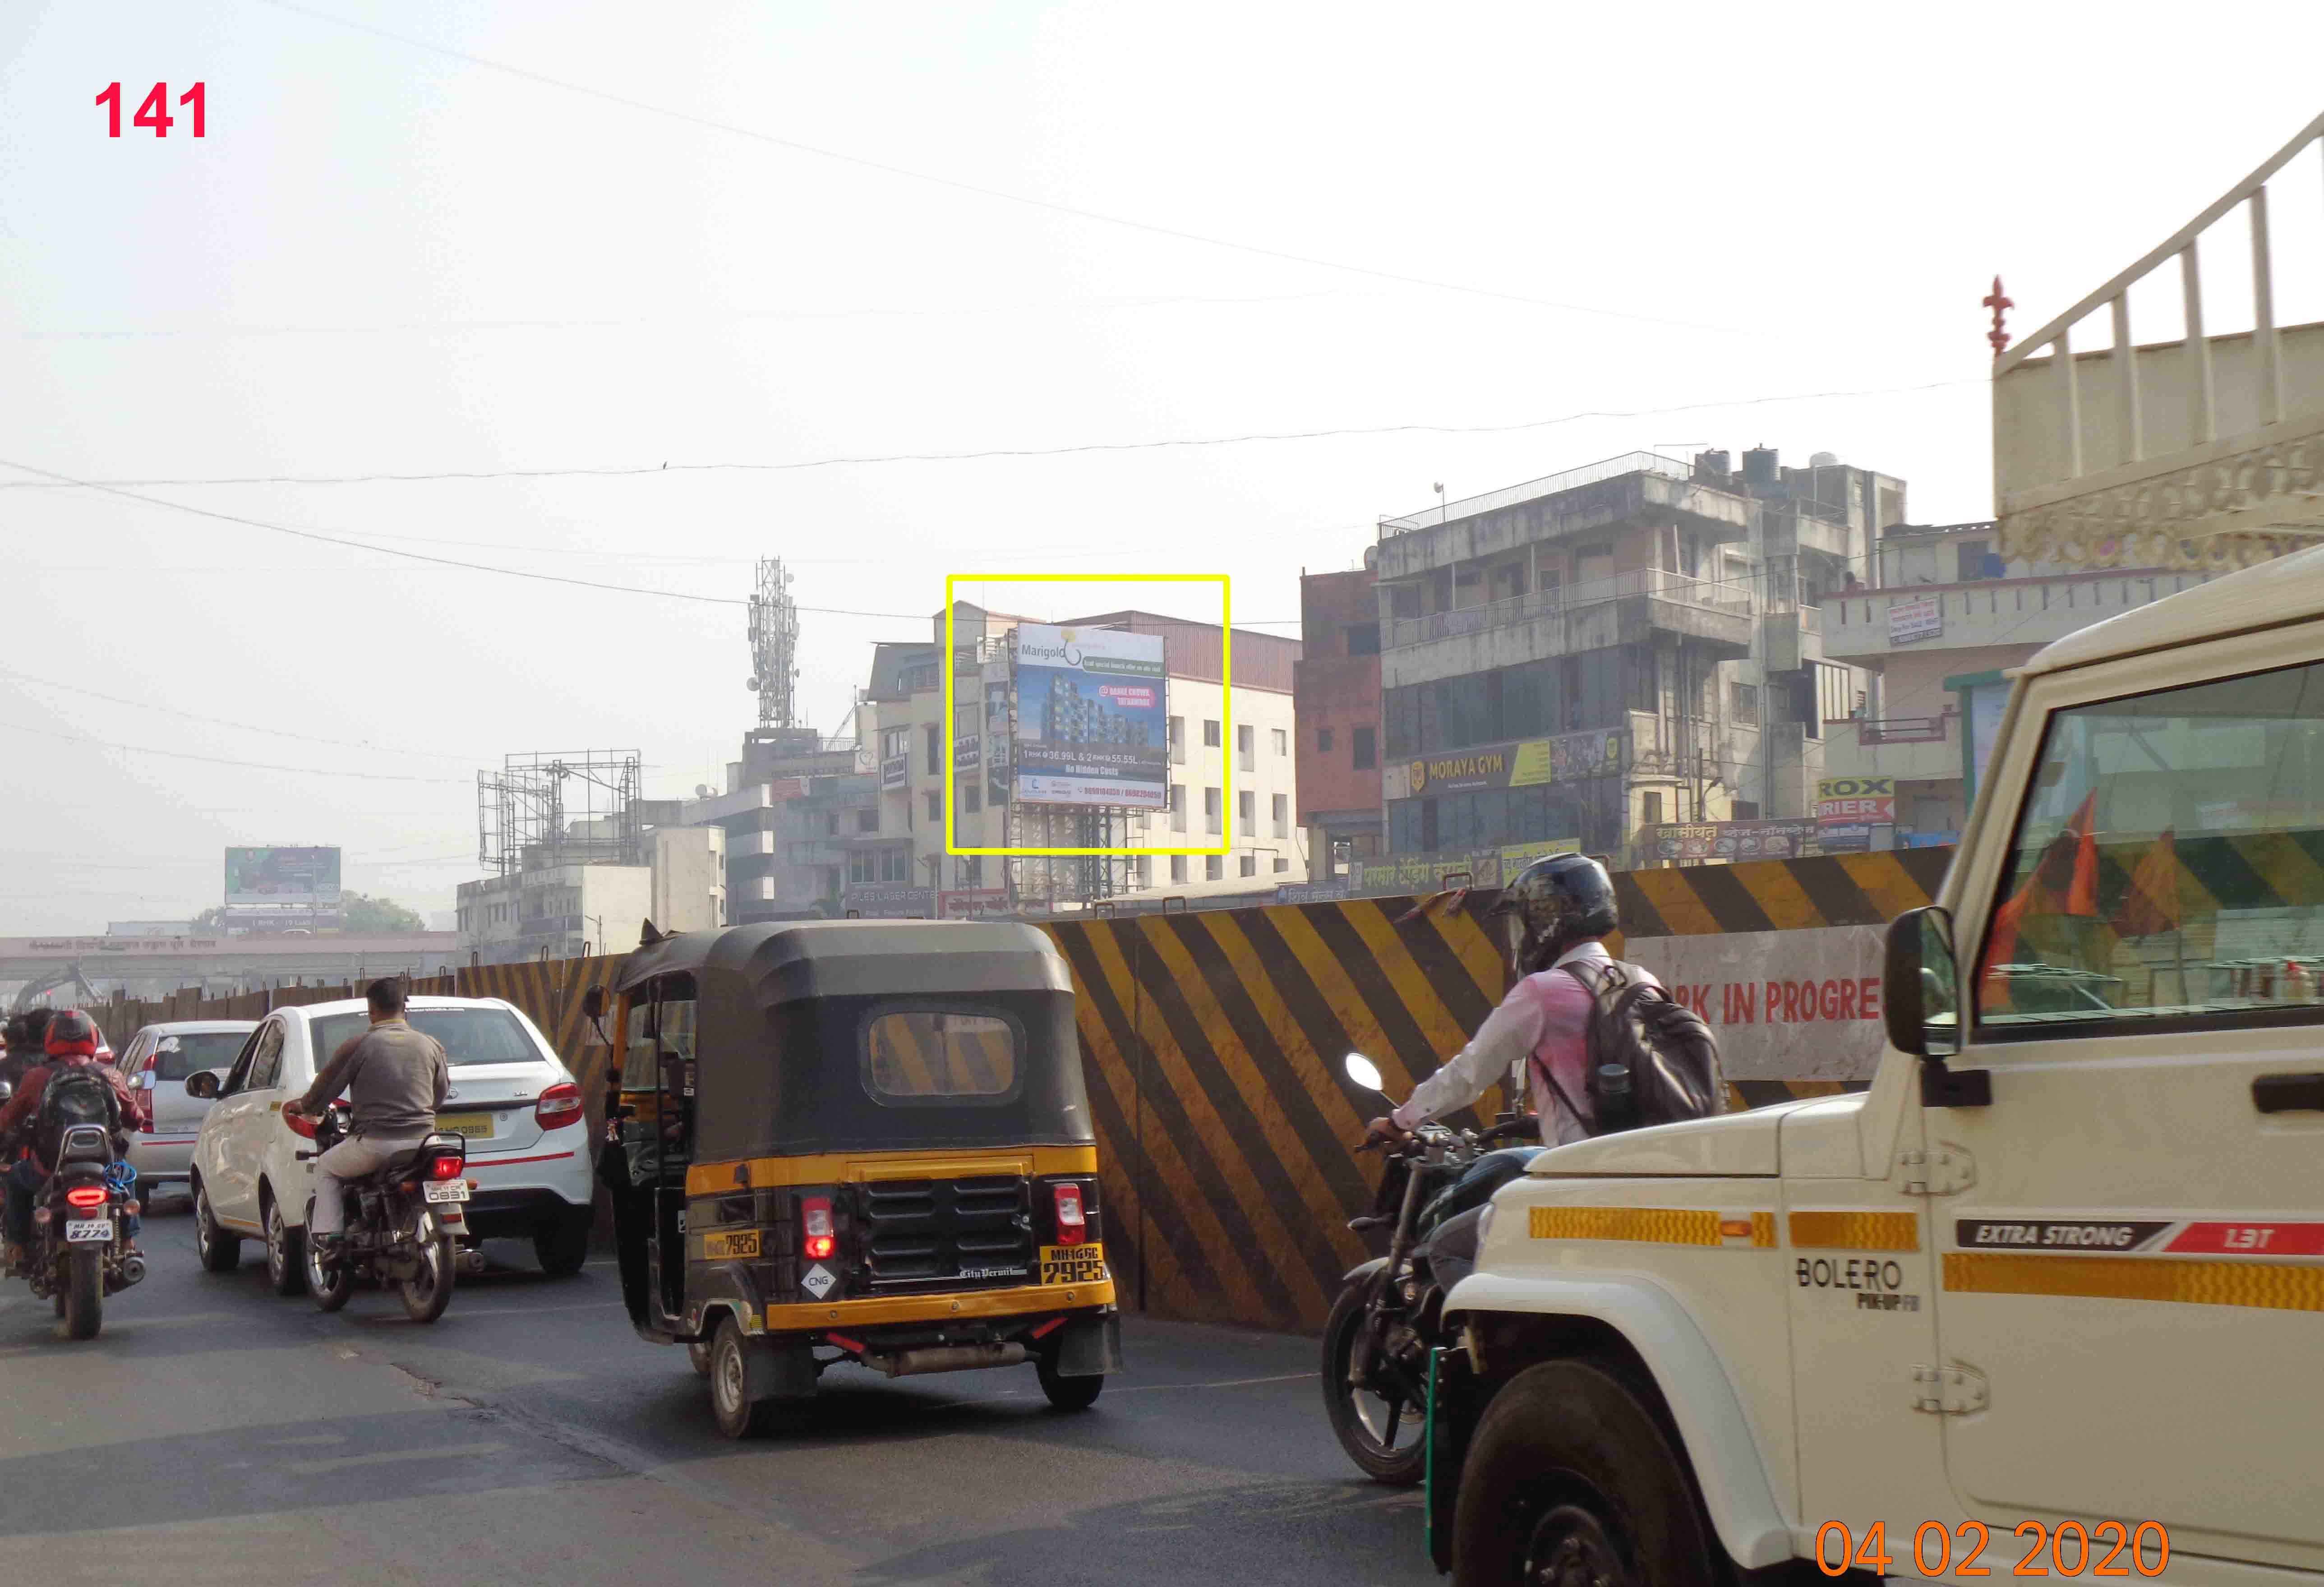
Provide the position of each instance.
(73, 1087)
(1604, 1046)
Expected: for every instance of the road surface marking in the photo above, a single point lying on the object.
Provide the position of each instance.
(446, 1452)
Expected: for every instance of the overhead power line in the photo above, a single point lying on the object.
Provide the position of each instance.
(58, 482)
(1002, 195)
(74, 688)
(82, 738)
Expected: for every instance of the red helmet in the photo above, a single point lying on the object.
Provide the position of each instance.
(73, 1033)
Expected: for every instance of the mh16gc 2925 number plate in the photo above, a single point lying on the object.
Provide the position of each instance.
(1073, 1264)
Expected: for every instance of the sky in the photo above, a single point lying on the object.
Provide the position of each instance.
(912, 289)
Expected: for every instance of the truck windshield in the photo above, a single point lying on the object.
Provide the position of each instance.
(2169, 861)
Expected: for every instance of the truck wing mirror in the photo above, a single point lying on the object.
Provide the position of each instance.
(1921, 1000)
(592, 1002)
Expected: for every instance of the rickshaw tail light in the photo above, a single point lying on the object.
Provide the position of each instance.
(815, 1237)
(1071, 1228)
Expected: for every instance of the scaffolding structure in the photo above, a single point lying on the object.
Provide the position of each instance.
(558, 807)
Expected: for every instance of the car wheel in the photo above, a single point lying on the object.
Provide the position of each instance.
(1572, 1479)
(220, 1251)
(563, 1246)
(286, 1252)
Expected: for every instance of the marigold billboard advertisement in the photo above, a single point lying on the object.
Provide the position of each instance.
(1092, 708)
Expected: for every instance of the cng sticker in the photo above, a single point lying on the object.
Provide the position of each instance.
(817, 1280)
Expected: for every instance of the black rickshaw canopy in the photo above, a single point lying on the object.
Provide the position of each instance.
(827, 1035)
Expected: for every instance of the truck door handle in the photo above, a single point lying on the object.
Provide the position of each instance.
(2285, 1094)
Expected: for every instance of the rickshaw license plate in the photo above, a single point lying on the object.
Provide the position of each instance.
(474, 1126)
(446, 1190)
(88, 1231)
(1073, 1264)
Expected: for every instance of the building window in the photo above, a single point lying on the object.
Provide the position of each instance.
(1282, 740)
(867, 819)
(1177, 807)
(1246, 813)
(971, 797)
(1743, 703)
(1746, 811)
(1145, 870)
(1281, 863)
(1212, 810)
(898, 866)
(1178, 741)
(1650, 808)
(1247, 747)
(936, 804)
(1251, 864)
(1283, 815)
(1210, 736)
(1177, 867)
(1365, 741)
(1213, 867)
(1323, 741)
(895, 742)
(1363, 639)
(935, 750)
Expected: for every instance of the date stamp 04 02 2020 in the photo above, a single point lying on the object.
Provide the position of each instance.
(2148, 1545)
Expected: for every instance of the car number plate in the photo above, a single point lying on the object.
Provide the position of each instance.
(448, 1190)
(88, 1231)
(1073, 1264)
(474, 1126)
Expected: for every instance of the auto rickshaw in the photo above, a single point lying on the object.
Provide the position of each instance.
(856, 1140)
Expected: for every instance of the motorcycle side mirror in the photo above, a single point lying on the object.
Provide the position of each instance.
(203, 1084)
(592, 1002)
(1364, 1071)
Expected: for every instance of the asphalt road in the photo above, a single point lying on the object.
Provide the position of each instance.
(215, 1436)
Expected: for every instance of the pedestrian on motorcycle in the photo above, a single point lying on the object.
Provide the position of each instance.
(72, 1041)
(27, 1034)
(396, 1077)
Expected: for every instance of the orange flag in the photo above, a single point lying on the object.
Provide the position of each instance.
(2064, 882)
(2150, 903)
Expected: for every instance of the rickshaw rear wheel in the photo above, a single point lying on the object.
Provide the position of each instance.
(738, 1414)
(1067, 1394)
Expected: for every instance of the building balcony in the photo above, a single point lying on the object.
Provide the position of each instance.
(1635, 489)
(1865, 627)
(1583, 616)
(1910, 749)
(2203, 451)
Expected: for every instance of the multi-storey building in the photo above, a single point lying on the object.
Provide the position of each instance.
(1336, 700)
(1625, 646)
(1230, 773)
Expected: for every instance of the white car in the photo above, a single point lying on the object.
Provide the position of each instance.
(518, 1106)
(157, 1061)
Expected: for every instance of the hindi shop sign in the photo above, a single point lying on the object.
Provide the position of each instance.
(1732, 839)
(1910, 622)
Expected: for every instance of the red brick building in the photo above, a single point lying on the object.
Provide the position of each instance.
(1336, 703)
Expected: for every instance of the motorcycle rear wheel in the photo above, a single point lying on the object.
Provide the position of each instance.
(84, 1293)
(330, 1283)
(428, 1291)
(1378, 1433)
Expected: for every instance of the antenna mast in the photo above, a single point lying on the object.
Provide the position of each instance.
(774, 645)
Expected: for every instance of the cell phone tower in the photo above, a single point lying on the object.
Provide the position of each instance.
(774, 645)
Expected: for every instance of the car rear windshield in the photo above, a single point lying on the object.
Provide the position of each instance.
(470, 1036)
(178, 1056)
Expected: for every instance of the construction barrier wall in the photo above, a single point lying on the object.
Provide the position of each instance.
(1212, 1042)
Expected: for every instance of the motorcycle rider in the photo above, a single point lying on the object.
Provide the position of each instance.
(396, 1077)
(27, 1033)
(72, 1040)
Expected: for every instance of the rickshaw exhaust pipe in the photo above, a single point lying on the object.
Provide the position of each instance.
(946, 1358)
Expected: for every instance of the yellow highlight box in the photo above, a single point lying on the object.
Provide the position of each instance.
(1226, 710)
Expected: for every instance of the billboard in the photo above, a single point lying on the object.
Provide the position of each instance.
(1787, 1005)
(1530, 763)
(301, 877)
(1092, 709)
(1848, 801)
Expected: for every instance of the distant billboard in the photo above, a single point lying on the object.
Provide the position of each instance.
(1092, 707)
(301, 877)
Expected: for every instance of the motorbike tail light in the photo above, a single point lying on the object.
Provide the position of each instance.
(86, 1197)
(1073, 1228)
(559, 1105)
(817, 1238)
(301, 1125)
(446, 1166)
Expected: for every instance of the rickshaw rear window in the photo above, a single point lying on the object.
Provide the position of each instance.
(941, 1055)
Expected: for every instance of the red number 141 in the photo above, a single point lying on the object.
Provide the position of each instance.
(155, 111)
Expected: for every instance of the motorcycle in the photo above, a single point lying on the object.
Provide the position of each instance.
(80, 1249)
(399, 1223)
(1376, 1341)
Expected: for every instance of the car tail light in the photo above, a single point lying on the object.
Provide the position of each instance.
(446, 1166)
(145, 1125)
(301, 1125)
(559, 1105)
(1071, 1227)
(817, 1240)
(86, 1197)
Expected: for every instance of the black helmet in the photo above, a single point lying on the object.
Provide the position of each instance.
(1558, 902)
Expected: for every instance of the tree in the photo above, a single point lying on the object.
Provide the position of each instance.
(366, 914)
(211, 919)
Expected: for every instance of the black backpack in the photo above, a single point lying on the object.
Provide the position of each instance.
(1652, 1059)
(76, 1093)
